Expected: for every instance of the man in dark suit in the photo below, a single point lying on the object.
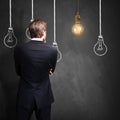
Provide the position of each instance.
(34, 62)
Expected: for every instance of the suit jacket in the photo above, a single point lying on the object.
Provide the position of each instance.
(33, 61)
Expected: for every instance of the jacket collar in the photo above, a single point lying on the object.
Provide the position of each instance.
(37, 39)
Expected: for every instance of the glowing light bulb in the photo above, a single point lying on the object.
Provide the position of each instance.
(77, 28)
(100, 48)
(10, 40)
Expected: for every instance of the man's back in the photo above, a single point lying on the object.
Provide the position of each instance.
(33, 62)
(35, 58)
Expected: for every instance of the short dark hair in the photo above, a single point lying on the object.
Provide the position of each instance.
(36, 28)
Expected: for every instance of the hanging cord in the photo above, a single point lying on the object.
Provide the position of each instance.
(78, 7)
(32, 10)
(55, 43)
(32, 18)
(100, 23)
(10, 14)
(55, 21)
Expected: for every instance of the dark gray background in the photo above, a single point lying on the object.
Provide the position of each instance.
(85, 86)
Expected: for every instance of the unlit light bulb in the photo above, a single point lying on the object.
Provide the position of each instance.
(27, 32)
(100, 48)
(10, 40)
(59, 57)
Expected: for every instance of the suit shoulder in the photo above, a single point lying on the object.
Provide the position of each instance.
(19, 47)
(22, 45)
(52, 48)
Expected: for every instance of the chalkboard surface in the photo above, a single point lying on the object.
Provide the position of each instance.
(85, 86)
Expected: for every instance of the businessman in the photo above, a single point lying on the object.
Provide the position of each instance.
(35, 61)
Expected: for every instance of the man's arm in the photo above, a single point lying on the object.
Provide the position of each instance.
(53, 61)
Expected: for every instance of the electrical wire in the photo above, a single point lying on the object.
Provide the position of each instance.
(100, 23)
(32, 10)
(10, 14)
(32, 18)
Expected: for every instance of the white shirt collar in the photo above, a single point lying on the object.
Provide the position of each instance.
(37, 39)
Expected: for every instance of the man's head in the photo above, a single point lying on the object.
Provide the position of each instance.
(37, 29)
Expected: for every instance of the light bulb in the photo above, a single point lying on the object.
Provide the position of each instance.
(28, 34)
(59, 57)
(100, 48)
(77, 28)
(10, 40)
